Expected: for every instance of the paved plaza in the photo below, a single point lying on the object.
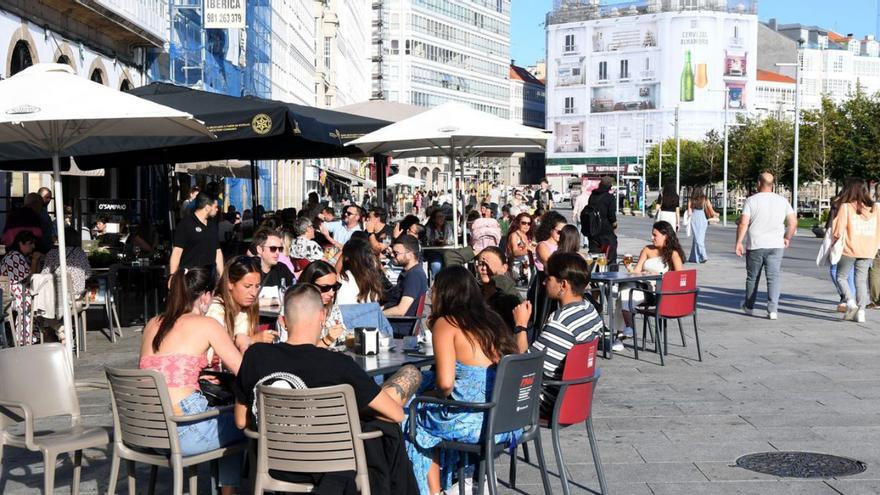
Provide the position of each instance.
(805, 382)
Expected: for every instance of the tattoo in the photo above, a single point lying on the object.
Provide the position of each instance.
(404, 383)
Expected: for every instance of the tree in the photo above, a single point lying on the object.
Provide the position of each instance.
(819, 133)
(713, 155)
(691, 163)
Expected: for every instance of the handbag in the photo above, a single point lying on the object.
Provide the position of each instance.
(836, 250)
(822, 258)
(686, 221)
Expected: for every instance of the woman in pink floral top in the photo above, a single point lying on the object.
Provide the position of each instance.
(17, 266)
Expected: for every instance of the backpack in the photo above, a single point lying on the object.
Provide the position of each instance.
(592, 222)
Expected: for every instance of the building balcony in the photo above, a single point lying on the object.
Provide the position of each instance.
(123, 23)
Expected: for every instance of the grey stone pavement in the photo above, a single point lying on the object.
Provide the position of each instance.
(806, 382)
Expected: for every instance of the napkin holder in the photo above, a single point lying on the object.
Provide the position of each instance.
(366, 341)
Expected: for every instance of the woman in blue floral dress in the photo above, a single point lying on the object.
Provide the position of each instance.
(469, 340)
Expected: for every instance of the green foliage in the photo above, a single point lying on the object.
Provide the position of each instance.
(836, 141)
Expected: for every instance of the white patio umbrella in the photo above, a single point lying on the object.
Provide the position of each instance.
(400, 179)
(47, 111)
(455, 130)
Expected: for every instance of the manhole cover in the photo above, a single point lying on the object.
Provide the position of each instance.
(801, 464)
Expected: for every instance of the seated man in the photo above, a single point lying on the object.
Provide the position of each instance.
(316, 366)
(412, 283)
(575, 322)
(269, 246)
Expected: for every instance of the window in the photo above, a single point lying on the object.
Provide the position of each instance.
(569, 43)
(647, 63)
(395, 47)
(603, 71)
(602, 137)
(624, 69)
(328, 43)
(568, 105)
(328, 101)
(576, 71)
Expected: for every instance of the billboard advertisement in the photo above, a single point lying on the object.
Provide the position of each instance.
(630, 97)
(707, 55)
(568, 137)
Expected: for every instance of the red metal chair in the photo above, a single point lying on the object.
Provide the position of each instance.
(675, 299)
(573, 405)
(414, 321)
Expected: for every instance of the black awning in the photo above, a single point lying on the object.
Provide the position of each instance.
(247, 128)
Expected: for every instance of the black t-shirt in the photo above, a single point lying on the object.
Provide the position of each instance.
(315, 366)
(199, 242)
(387, 232)
(414, 284)
(276, 274)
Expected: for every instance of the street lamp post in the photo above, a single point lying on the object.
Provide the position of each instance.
(677, 156)
(726, 92)
(617, 169)
(797, 122)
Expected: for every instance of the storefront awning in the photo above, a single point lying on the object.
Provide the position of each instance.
(238, 169)
(349, 178)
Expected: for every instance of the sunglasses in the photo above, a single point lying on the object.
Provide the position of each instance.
(327, 288)
(274, 249)
(525, 223)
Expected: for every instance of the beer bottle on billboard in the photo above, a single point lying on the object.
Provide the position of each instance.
(687, 79)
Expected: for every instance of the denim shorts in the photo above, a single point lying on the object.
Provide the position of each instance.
(209, 434)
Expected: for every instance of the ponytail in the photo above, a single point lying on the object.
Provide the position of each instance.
(186, 286)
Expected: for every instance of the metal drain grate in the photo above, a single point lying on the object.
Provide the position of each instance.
(801, 464)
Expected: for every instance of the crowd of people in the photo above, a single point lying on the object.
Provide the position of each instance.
(317, 267)
(475, 293)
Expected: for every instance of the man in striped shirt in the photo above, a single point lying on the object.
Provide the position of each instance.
(575, 321)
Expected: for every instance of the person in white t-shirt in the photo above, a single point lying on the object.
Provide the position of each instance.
(764, 218)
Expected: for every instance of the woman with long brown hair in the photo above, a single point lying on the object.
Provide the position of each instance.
(361, 276)
(857, 225)
(662, 255)
(174, 344)
(235, 304)
(469, 340)
(700, 210)
(520, 247)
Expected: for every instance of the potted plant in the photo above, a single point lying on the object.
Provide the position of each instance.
(626, 209)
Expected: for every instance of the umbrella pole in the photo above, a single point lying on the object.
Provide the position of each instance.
(254, 179)
(452, 190)
(62, 259)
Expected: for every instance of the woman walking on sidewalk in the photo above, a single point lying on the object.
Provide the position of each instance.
(701, 211)
(858, 225)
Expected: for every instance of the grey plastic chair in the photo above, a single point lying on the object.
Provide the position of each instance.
(514, 406)
(308, 431)
(143, 422)
(36, 382)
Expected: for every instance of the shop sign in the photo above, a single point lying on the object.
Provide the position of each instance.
(225, 14)
(111, 206)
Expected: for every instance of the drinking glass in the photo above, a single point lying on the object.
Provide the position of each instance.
(602, 261)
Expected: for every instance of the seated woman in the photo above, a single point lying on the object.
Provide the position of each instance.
(499, 290)
(174, 344)
(78, 268)
(662, 255)
(520, 248)
(469, 340)
(17, 265)
(569, 240)
(438, 232)
(304, 245)
(360, 276)
(322, 275)
(235, 304)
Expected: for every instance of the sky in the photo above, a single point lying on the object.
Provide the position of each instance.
(842, 16)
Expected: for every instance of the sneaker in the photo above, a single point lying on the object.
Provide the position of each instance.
(748, 311)
(860, 316)
(617, 346)
(628, 332)
(851, 310)
(841, 308)
(772, 315)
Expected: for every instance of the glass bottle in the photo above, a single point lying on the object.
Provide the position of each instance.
(687, 79)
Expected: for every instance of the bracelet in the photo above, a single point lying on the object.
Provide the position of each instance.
(519, 329)
(323, 341)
